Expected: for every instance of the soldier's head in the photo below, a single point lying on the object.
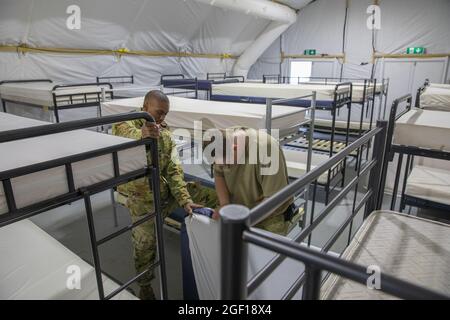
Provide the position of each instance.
(157, 104)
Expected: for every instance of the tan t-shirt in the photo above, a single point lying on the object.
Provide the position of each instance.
(248, 184)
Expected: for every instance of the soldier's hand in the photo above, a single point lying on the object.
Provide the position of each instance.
(216, 215)
(189, 206)
(150, 130)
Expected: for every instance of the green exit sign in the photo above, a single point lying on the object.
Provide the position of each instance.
(415, 50)
(310, 52)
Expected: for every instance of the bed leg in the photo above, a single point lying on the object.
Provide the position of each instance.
(405, 179)
(4, 106)
(397, 179)
(94, 247)
(114, 204)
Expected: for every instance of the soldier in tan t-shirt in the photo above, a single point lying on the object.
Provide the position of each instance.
(255, 173)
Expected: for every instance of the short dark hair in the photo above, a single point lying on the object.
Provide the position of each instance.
(156, 94)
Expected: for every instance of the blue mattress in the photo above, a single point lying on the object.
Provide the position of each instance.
(189, 84)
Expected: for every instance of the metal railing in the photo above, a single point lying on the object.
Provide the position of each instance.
(237, 230)
(151, 172)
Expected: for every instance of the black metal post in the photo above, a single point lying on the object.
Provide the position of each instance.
(154, 183)
(375, 180)
(311, 288)
(234, 221)
(397, 180)
(4, 106)
(55, 108)
(94, 247)
(405, 179)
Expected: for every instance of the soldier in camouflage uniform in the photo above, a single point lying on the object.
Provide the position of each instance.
(175, 192)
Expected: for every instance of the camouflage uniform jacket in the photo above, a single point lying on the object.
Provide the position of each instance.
(171, 173)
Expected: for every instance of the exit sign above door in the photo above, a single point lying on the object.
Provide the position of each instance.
(310, 52)
(415, 50)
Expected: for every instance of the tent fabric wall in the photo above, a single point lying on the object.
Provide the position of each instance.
(320, 26)
(151, 25)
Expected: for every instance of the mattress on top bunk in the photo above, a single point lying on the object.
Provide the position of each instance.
(213, 114)
(436, 97)
(427, 129)
(40, 93)
(340, 124)
(296, 162)
(281, 91)
(46, 184)
(358, 88)
(429, 183)
(36, 266)
(410, 248)
(440, 85)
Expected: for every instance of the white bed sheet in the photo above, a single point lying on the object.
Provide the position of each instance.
(43, 185)
(213, 114)
(40, 93)
(436, 97)
(429, 183)
(281, 91)
(35, 266)
(428, 129)
(407, 247)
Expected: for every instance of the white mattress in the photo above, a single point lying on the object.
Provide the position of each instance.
(213, 114)
(436, 97)
(340, 124)
(296, 162)
(204, 245)
(427, 129)
(35, 266)
(40, 93)
(281, 91)
(429, 183)
(412, 249)
(43, 185)
(358, 89)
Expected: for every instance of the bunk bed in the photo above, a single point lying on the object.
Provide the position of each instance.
(317, 267)
(179, 81)
(424, 133)
(329, 97)
(55, 173)
(124, 86)
(43, 93)
(433, 96)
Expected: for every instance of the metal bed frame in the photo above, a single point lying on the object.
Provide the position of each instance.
(75, 100)
(339, 100)
(180, 81)
(237, 229)
(151, 172)
(410, 152)
(276, 78)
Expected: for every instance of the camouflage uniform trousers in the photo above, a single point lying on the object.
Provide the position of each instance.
(144, 235)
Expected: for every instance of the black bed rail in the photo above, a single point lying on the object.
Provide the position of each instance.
(236, 230)
(111, 79)
(216, 76)
(151, 171)
(272, 78)
(64, 101)
(26, 81)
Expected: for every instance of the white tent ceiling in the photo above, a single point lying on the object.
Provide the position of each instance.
(150, 25)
